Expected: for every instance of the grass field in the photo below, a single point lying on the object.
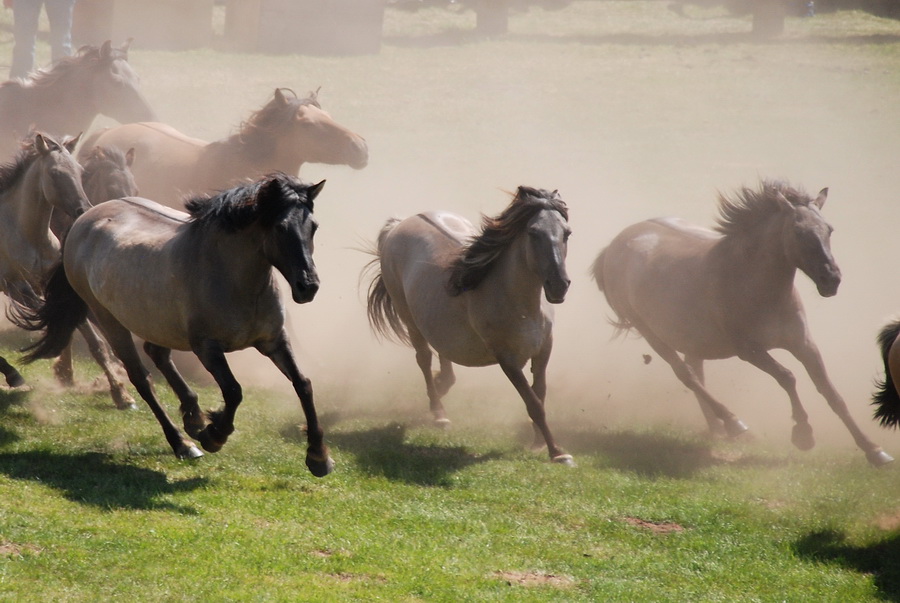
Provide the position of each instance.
(631, 112)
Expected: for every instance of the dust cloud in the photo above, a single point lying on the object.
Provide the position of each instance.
(626, 129)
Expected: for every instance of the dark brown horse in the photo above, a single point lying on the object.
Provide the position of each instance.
(65, 99)
(477, 299)
(730, 292)
(202, 282)
(283, 135)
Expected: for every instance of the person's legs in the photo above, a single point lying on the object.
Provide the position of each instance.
(59, 14)
(25, 26)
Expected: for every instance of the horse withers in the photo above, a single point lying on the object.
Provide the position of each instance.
(200, 282)
(712, 294)
(66, 98)
(285, 133)
(477, 298)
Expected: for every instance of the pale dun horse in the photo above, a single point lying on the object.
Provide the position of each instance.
(477, 299)
(711, 294)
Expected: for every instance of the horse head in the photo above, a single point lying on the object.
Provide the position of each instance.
(548, 234)
(59, 174)
(115, 86)
(107, 174)
(807, 239)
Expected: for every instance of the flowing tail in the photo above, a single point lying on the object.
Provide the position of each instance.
(885, 399)
(620, 324)
(383, 317)
(61, 312)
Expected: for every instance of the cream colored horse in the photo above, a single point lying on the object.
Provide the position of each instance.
(730, 292)
(477, 299)
(286, 133)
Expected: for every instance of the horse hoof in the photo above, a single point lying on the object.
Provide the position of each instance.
(443, 423)
(564, 459)
(127, 406)
(735, 428)
(319, 467)
(879, 458)
(15, 380)
(189, 452)
(802, 437)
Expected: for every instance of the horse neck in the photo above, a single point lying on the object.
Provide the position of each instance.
(757, 264)
(245, 158)
(28, 213)
(241, 255)
(65, 106)
(512, 283)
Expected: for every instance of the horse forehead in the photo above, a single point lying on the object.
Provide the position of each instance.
(313, 113)
(548, 219)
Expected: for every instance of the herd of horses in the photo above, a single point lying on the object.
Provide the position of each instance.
(90, 239)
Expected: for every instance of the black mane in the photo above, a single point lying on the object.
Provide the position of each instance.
(478, 256)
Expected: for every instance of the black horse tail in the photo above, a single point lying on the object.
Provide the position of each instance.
(885, 399)
(61, 312)
(383, 317)
(621, 325)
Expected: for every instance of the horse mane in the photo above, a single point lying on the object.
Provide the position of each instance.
(62, 68)
(12, 171)
(237, 208)
(748, 208)
(271, 119)
(481, 252)
(103, 156)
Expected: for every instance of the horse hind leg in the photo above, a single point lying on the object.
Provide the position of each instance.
(716, 425)
(445, 377)
(193, 419)
(13, 377)
(423, 359)
(99, 349)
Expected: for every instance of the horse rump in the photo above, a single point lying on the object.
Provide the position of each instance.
(620, 324)
(58, 315)
(886, 399)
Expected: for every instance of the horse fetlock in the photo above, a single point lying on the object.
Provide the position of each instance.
(802, 436)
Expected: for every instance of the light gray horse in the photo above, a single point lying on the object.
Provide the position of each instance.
(730, 292)
(477, 299)
(201, 282)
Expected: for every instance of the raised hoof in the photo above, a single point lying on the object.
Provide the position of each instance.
(209, 444)
(15, 379)
(319, 467)
(735, 428)
(564, 459)
(802, 437)
(879, 458)
(443, 423)
(189, 451)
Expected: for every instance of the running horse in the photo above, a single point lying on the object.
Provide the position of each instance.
(203, 282)
(477, 299)
(65, 99)
(712, 294)
(281, 136)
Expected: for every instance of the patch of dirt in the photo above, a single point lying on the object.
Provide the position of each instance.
(534, 579)
(657, 527)
(889, 521)
(11, 549)
(351, 577)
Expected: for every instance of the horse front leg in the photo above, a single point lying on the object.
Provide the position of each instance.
(107, 362)
(221, 422)
(812, 362)
(13, 377)
(192, 417)
(539, 386)
(535, 410)
(318, 458)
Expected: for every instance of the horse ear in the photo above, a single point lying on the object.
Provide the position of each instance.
(124, 47)
(40, 143)
(313, 191)
(106, 49)
(820, 200)
(279, 96)
(129, 157)
(71, 143)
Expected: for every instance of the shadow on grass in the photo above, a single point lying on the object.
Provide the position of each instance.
(93, 479)
(880, 559)
(12, 397)
(382, 451)
(654, 455)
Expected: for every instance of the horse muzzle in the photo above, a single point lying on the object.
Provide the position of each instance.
(303, 293)
(555, 292)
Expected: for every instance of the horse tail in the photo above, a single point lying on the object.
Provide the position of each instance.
(58, 315)
(885, 399)
(383, 317)
(620, 324)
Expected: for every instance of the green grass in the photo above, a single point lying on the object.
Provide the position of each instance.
(631, 111)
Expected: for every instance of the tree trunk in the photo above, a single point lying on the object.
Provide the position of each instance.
(492, 17)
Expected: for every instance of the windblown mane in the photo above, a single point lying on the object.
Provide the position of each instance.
(11, 172)
(237, 208)
(749, 208)
(104, 158)
(271, 119)
(478, 256)
(61, 69)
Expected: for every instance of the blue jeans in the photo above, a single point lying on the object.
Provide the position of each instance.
(25, 26)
